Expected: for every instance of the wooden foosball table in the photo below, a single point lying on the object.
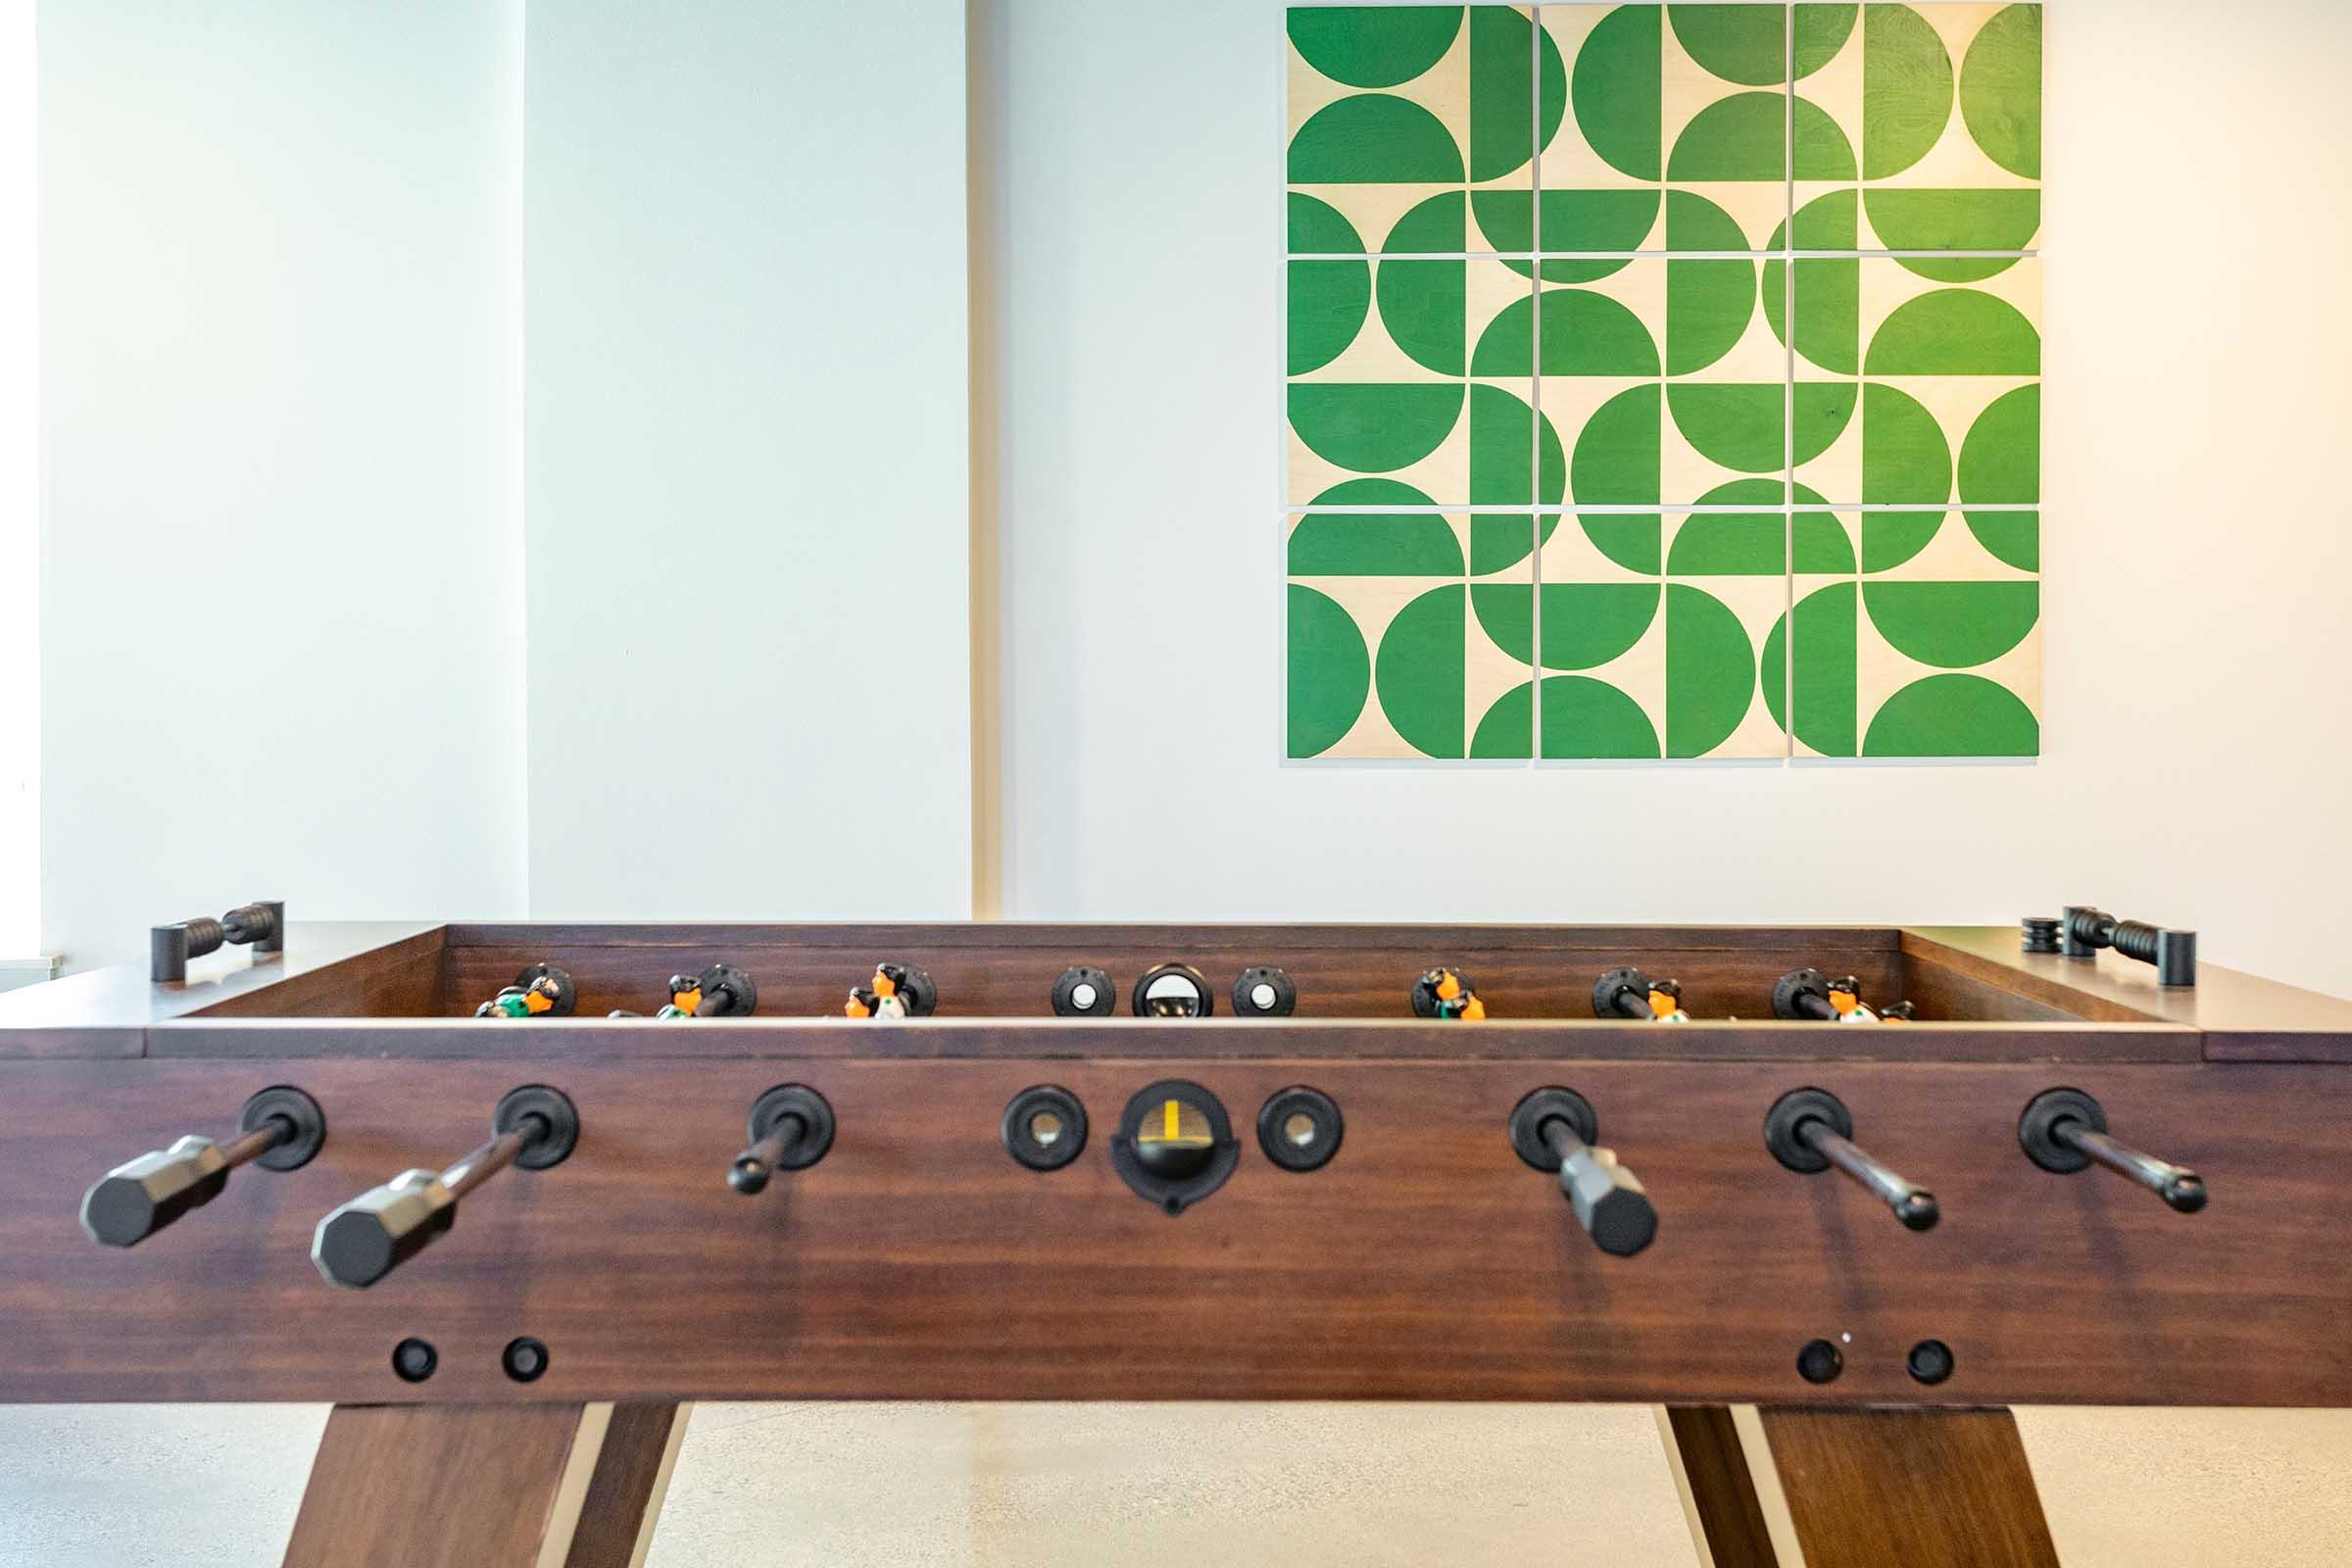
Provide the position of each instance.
(1657, 1165)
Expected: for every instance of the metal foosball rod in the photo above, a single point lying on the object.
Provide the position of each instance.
(1810, 1130)
(279, 1129)
(2065, 1130)
(1628, 993)
(1553, 1130)
(1803, 995)
(790, 1128)
(533, 1128)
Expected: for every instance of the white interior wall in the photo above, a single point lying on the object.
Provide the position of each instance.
(746, 481)
(2195, 553)
(277, 645)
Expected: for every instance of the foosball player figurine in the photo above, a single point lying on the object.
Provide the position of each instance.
(1446, 993)
(1628, 993)
(898, 990)
(541, 991)
(1808, 994)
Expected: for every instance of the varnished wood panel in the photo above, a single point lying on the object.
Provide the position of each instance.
(1058, 1038)
(1721, 1492)
(400, 979)
(434, 1487)
(1941, 1488)
(1014, 978)
(1426, 1261)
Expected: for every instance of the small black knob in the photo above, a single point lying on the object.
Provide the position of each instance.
(1172, 991)
(138, 1199)
(382, 1227)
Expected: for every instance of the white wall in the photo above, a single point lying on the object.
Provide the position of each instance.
(747, 469)
(279, 432)
(2197, 716)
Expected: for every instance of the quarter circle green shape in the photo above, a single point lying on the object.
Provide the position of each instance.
(1508, 727)
(1328, 304)
(1821, 150)
(1429, 226)
(1318, 228)
(1905, 459)
(1617, 451)
(1819, 32)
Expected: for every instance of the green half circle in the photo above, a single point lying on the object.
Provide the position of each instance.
(1585, 333)
(1735, 138)
(1953, 716)
(1955, 331)
(1710, 672)
(1737, 424)
(1906, 89)
(1374, 544)
(1374, 427)
(1586, 625)
(1905, 459)
(1373, 46)
(2001, 89)
(1330, 672)
(1373, 138)
(1953, 625)
(2000, 457)
(1588, 718)
(1419, 673)
(1956, 220)
(1743, 44)
(1317, 228)
(1617, 91)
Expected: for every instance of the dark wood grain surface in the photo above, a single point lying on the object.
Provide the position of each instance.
(1948, 1489)
(623, 1499)
(1426, 1261)
(1728, 1516)
(434, 1487)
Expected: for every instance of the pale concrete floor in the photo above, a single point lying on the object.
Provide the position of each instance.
(1106, 1486)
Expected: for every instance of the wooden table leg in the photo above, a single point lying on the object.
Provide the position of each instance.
(546, 1486)
(1927, 1489)
(1711, 1470)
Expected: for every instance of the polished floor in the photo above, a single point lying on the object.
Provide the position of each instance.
(1324, 1486)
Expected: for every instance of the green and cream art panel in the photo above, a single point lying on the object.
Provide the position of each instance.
(1663, 381)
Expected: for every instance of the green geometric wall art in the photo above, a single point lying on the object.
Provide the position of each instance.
(1663, 381)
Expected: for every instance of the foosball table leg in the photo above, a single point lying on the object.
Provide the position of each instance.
(535, 1486)
(1800, 1487)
